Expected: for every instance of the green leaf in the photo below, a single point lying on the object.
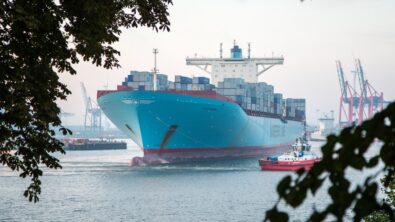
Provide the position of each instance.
(283, 186)
(373, 162)
(276, 216)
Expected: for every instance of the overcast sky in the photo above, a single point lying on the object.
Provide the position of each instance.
(310, 36)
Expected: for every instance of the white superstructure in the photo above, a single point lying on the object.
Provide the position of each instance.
(236, 66)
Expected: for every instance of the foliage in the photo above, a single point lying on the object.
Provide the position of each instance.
(389, 191)
(40, 38)
(342, 152)
(377, 216)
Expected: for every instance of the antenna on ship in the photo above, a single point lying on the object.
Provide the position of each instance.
(220, 50)
(155, 51)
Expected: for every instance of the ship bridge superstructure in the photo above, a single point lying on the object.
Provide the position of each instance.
(236, 66)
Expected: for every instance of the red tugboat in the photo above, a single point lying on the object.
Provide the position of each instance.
(300, 157)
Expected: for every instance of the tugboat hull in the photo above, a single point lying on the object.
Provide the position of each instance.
(286, 165)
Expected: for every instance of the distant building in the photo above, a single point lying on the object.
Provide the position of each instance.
(325, 127)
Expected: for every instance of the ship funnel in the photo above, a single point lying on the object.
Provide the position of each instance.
(235, 52)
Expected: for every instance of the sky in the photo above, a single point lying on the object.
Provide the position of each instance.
(311, 36)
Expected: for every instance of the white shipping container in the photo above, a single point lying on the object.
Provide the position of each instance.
(189, 86)
(229, 92)
(172, 85)
(240, 92)
(229, 85)
(178, 86)
(265, 109)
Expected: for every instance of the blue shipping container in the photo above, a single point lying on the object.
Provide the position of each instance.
(130, 78)
(253, 100)
(185, 80)
(203, 80)
(239, 99)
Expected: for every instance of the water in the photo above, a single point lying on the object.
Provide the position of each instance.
(101, 186)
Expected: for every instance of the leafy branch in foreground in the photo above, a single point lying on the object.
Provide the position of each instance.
(342, 152)
(389, 192)
(40, 38)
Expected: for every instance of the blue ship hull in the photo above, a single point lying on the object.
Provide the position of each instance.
(177, 127)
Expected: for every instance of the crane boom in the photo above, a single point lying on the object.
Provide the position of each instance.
(361, 78)
(84, 95)
(342, 82)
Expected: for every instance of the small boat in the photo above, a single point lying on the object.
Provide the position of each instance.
(299, 157)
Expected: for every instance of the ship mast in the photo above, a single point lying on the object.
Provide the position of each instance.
(155, 70)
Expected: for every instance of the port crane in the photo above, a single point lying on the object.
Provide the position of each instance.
(373, 101)
(92, 119)
(357, 107)
(349, 99)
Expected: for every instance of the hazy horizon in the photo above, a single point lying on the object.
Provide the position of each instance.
(310, 36)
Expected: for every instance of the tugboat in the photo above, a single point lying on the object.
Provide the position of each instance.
(299, 157)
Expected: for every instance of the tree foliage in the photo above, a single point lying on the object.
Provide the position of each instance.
(342, 152)
(40, 38)
(389, 191)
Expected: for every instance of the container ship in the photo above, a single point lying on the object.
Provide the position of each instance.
(234, 115)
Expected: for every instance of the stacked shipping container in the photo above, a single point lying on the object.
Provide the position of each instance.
(140, 80)
(233, 88)
(259, 97)
(295, 108)
(251, 96)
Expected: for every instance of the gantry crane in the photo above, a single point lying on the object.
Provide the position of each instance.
(92, 120)
(349, 97)
(373, 101)
(362, 105)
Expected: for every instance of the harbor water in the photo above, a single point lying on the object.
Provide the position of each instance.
(101, 186)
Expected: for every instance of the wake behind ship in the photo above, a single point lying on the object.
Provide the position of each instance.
(190, 118)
